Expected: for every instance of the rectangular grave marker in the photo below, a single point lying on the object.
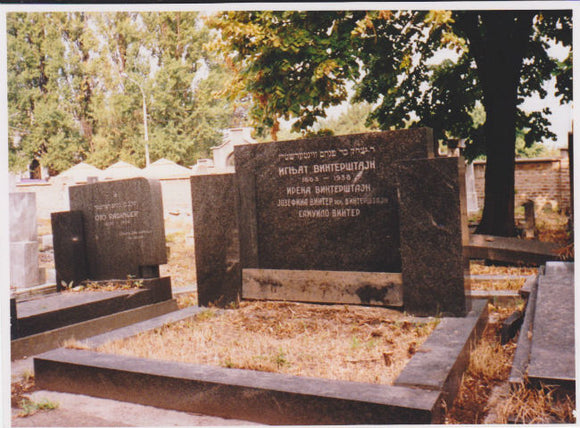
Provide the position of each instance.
(324, 203)
(123, 227)
(319, 220)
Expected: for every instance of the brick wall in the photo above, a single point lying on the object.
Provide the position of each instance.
(544, 180)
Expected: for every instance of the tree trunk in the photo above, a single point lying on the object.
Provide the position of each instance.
(498, 41)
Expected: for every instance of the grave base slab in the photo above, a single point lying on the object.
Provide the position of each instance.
(59, 310)
(42, 342)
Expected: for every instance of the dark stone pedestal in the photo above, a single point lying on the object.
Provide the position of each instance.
(433, 233)
(68, 239)
(217, 246)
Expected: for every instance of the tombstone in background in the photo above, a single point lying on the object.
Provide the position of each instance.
(320, 220)
(530, 219)
(472, 204)
(114, 230)
(24, 267)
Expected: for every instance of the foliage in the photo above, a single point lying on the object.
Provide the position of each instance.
(77, 80)
(292, 63)
(295, 64)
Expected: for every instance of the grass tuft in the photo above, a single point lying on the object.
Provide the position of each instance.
(29, 407)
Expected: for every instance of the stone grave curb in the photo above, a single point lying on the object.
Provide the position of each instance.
(269, 398)
(154, 290)
(440, 362)
(245, 394)
(524, 343)
(42, 342)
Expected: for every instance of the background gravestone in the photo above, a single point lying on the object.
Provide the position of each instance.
(123, 227)
(24, 266)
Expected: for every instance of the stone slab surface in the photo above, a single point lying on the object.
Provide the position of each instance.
(54, 311)
(522, 354)
(433, 225)
(326, 203)
(77, 410)
(552, 355)
(217, 246)
(366, 288)
(440, 362)
(240, 394)
(123, 226)
(42, 342)
(511, 250)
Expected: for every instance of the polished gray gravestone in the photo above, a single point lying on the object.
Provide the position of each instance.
(324, 203)
(123, 227)
(217, 253)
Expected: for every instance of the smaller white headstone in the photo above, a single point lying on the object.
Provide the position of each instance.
(472, 205)
(24, 266)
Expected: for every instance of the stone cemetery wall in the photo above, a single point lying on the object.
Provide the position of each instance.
(121, 226)
(24, 266)
(320, 220)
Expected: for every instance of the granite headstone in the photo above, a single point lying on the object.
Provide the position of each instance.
(70, 258)
(434, 234)
(123, 227)
(217, 247)
(309, 210)
(324, 203)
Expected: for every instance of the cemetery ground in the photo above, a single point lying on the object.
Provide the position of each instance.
(365, 344)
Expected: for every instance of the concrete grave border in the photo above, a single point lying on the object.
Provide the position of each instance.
(426, 386)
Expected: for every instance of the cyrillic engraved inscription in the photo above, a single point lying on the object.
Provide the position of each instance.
(335, 179)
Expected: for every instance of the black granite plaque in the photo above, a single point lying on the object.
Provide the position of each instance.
(432, 205)
(217, 246)
(68, 240)
(324, 203)
(123, 225)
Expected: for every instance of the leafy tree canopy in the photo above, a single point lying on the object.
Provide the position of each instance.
(77, 80)
(296, 63)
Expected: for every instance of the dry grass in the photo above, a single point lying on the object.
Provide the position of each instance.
(505, 284)
(489, 365)
(181, 263)
(333, 342)
(532, 406)
(477, 267)
(489, 369)
(552, 227)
